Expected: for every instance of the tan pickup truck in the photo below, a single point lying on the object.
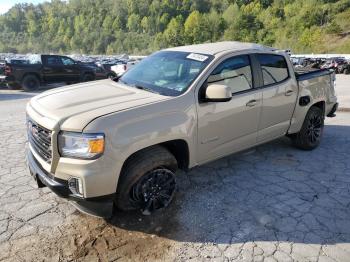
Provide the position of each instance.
(118, 143)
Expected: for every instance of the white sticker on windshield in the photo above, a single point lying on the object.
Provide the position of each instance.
(197, 57)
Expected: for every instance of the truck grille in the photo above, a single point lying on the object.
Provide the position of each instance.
(40, 140)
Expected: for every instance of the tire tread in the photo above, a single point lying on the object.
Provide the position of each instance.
(136, 166)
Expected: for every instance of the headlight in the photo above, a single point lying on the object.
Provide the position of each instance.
(79, 145)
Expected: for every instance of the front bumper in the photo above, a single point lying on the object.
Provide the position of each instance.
(97, 206)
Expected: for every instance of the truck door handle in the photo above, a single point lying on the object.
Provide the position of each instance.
(289, 92)
(251, 103)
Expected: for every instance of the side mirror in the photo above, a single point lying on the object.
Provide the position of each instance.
(217, 93)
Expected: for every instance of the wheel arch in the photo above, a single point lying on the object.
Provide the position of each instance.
(178, 148)
(300, 114)
(33, 74)
(321, 105)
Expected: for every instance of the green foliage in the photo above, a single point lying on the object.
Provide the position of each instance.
(195, 28)
(143, 26)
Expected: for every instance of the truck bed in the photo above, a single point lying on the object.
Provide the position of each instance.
(302, 75)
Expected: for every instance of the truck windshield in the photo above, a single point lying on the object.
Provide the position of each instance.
(168, 73)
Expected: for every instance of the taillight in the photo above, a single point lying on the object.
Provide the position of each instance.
(7, 70)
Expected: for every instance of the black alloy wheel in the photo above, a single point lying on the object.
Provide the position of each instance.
(314, 128)
(154, 190)
(310, 135)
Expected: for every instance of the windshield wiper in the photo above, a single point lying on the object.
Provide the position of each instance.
(146, 89)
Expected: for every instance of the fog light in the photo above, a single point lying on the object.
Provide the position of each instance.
(76, 186)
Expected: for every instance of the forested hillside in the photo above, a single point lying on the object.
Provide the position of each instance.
(142, 26)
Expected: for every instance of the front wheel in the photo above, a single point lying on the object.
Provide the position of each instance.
(148, 181)
(111, 76)
(311, 132)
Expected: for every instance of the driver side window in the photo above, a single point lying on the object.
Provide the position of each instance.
(234, 72)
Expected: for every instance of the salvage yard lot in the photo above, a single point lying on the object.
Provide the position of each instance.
(272, 203)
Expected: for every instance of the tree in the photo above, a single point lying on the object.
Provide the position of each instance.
(214, 25)
(143, 26)
(173, 35)
(195, 31)
(134, 23)
(231, 13)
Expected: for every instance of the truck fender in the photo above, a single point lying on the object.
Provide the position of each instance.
(32, 73)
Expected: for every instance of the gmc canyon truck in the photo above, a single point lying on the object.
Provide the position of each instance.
(46, 69)
(106, 144)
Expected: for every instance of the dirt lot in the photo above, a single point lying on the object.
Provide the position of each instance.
(273, 203)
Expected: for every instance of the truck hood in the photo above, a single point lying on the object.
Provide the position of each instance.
(73, 107)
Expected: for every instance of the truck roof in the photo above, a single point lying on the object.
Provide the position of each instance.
(215, 48)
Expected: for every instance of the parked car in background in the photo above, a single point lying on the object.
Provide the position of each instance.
(107, 67)
(46, 69)
(2, 72)
(101, 71)
(119, 143)
(2, 67)
(334, 63)
(121, 68)
(344, 68)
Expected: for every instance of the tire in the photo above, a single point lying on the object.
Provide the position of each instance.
(148, 176)
(30, 83)
(111, 76)
(310, 135)
(88, 77)
(347, 71)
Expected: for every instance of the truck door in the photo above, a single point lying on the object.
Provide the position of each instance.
(279, 92)
(227, 127)
(70, 69)
(52, 69)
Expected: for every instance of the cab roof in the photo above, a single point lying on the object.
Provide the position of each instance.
(215, 48)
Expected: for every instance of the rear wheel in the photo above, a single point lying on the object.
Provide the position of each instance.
(311, 132)
(88, 77)
(347, 71)
(30, 83)
(148, 181)
(111, 76)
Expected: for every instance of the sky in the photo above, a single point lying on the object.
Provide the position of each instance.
(5, 5)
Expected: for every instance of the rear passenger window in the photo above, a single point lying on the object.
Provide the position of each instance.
(53, 61)
(274, 68)
(234, 72)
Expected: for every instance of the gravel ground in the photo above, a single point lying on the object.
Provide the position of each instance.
(274, 203)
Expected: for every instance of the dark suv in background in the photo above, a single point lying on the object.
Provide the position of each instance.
(46, 69)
